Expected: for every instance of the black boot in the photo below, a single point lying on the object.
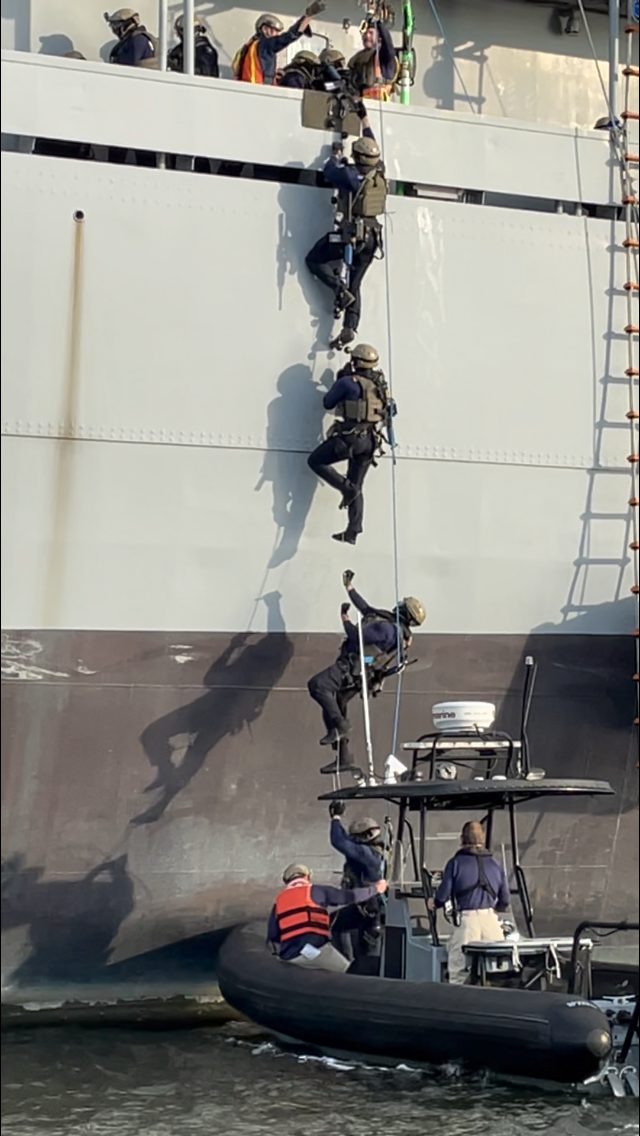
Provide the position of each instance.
(345, 766)
(342, 341)
(345, 537)
(335, 735)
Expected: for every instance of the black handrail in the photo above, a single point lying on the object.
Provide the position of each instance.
(591, 925)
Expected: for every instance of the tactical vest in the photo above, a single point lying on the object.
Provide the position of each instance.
(371, 409)
(306, 76)
(382, 660)
(152, 61)
(369, 200)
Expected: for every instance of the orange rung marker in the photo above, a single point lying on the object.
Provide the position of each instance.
(630, 243)
(631, 286)
(631, 415)
(631, 371)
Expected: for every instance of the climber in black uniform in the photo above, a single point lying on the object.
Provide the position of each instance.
(362, 192)
(361, 399)
(205, 54)
(334, 687)
(301, 74)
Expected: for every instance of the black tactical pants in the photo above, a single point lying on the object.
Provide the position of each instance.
(358, 449)
(325, 261)
(333, 688)
(357, 931)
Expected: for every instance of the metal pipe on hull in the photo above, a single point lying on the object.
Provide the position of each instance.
(189, 38)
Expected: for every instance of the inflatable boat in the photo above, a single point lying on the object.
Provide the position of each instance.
(530, 1008)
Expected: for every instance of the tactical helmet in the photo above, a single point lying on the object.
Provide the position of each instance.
(296, 872)
(366, 152)
(74, 55)
(414, 609)
(198, 26)
(122, 16)
(305, 57)
(365, 827)
(365, 354)
(268, 21)
(332, 56)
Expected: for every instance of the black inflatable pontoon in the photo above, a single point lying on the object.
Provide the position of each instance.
(551, 1037)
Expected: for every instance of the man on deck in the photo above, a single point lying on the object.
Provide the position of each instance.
(256, 61)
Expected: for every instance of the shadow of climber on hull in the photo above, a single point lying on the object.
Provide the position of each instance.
(240, 681)
(72, 923)
(294, 423)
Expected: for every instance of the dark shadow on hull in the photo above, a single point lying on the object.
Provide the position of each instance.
(240, 681)
(298, 408)
(72, 923)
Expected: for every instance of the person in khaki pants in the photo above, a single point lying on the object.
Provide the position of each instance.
(477, 887)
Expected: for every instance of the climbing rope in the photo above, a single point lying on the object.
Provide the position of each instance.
(394, 485)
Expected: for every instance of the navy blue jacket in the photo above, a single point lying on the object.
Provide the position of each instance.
(381, 634)
(341, 176)
(269, 47)
(346, 386)
(133, 49)
(461, 873)
(365, 864)
(325, 897)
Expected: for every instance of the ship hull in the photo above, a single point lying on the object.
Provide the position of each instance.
(154, 784)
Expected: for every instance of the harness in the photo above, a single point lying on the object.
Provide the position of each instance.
(482, 882)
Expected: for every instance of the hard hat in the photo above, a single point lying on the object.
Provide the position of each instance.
(269, 21)
(122, 16)
(295, 872)
(305, 57)
(366, 152)
(366, 355)
(178, 27)
(332, 56)
(414, 609)
(363, 825)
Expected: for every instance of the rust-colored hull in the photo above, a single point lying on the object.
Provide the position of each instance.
(153, 785)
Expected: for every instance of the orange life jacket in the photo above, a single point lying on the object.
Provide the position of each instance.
(383, 90)
(246, 63)
(297, 914)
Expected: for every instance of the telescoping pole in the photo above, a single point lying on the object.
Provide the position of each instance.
(163, 34)
(614, 58)
(189, 43)
(365, 702)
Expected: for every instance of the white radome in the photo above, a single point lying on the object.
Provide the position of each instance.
(452, 717)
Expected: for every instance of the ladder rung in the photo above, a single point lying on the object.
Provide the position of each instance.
(631, 29)
(632, 158)
(629, 200)
(632, 329)
(633, 501)
(635, 590)
(631, 71)
(634, 546)
(630, 243)
(632, 414)
(636, 633)
(631, 372)
(630, 115)
(633, 458)
(630, 286)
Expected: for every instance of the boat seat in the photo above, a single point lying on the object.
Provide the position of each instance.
(539, 964)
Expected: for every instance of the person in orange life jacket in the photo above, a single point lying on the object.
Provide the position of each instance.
(325, 260)
(374, 69)
(357, 931)
(477, 887)
(255, 62)
(299, 923)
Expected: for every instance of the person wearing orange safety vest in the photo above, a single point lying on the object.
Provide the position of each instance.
(375, 68)
(255, 62)
(300, 925)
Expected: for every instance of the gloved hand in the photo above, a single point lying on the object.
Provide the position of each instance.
(345, 608)
(361, 109)
(315, 8)
(337, 149)
(347, 577)
(337, 809)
